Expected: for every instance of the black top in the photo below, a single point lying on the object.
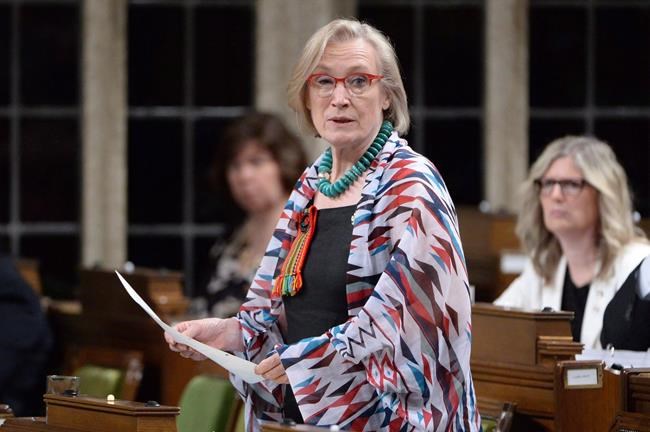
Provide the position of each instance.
(626, 322)
(25, 341)
(321, 303)
(574, 299)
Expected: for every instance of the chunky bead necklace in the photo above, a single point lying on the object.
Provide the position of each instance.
(332, 190)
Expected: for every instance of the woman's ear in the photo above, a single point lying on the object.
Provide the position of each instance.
(386, 103)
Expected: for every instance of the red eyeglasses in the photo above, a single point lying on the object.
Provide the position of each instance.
(356, 83)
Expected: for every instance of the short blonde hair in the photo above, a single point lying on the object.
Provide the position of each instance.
(602, 171)
(342, 30)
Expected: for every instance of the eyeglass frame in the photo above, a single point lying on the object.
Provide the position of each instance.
(544, 184)
(369, 76)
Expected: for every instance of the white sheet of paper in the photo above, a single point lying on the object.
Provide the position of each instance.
(233, 364)
(628, 359)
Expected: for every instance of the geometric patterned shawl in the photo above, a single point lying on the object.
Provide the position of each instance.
(401, 361)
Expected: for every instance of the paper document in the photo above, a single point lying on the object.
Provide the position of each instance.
(627, 359)
(240, 367)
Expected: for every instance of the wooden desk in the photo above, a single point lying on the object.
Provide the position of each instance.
(514, 353)
(586, 408)
(635, 410)
(631, 422)
(30, 424)
(83, 414)
(99, 415)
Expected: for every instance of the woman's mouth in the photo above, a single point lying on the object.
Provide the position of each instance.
(557, 213)
(341, 120)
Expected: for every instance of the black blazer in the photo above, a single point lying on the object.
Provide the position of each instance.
(626, 322)
(22, 323)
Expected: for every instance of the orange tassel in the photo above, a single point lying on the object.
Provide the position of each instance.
(289, 282)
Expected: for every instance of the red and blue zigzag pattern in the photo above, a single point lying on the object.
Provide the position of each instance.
(401, 361)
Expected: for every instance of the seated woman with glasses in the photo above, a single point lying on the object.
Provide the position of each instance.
(586, 254)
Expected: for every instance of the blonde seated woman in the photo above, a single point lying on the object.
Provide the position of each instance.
(585, 253)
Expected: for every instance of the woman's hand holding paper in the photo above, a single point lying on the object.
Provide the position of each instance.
(223, 334)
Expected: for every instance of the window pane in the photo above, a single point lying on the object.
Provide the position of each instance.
(49, 54)
(542, 131)
(58, 257)
(156, 56)
(623, 56)
(557, 56)
(155, 171)
(463, 175)
(629, 138)
(210, 203)
(5, 59)
(453, 56)
(384, 18)
(4, 171)
(156, 252)
(49, 170)
(224, 62)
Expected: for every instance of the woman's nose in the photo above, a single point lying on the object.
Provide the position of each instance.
(340, 95)
(556, 191)
(243, 172)
(248, 171)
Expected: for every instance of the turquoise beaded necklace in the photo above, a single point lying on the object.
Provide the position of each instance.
(332, 190)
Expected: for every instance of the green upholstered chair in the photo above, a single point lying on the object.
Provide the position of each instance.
(488, 424)
(207, 404)
(97, 381)
(105, 371)
(496, 416)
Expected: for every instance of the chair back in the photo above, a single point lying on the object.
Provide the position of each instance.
(105, 371)
(206, 404)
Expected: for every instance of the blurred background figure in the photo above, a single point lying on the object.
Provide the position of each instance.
(586, 255)
(256, 165)
(24, 343)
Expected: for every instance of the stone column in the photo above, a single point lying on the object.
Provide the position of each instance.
(283, 27)
(104, 197)
(506, 101)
